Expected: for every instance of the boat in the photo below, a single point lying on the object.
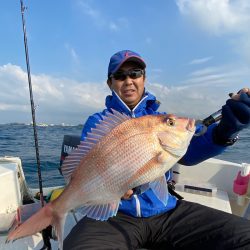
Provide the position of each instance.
(215, 183)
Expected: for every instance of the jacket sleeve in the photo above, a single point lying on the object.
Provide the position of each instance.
(201, 148)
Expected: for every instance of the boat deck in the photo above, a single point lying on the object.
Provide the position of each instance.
(219, 201)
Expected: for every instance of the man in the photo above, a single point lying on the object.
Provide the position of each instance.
(142, 220)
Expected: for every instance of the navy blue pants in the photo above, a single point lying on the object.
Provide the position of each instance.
(188, 226)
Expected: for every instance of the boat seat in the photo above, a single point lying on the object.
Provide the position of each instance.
(70, 142)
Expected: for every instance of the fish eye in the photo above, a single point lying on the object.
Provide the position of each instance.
(170, 121)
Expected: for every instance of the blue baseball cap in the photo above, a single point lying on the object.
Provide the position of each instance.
(123, 56)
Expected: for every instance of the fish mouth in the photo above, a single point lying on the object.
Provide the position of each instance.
(191, 125)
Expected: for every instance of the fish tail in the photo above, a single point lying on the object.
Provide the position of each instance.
(43, 218)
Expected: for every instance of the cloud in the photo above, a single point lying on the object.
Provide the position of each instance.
(157, 70)
(221, 18)
(59, 100)
(100, 20)
(188, 100)
(202, 91)
(88, 10)
(218, 16)
(200, 60)
(72, 53)
(242, 46)
(225, 75)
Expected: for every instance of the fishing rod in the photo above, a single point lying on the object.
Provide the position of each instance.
(45, 232)
(32, 106)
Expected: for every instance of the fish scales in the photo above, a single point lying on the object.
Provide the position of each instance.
(132, 147)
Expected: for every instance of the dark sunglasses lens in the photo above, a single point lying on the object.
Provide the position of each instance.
(135, 74)
(132, 74)
(120, 76)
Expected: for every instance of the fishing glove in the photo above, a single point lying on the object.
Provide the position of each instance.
(235, 117)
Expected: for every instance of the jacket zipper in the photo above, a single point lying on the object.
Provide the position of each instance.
(132, 112)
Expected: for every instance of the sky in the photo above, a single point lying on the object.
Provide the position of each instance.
(197, 52)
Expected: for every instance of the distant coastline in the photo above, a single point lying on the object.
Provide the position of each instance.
(40, 124)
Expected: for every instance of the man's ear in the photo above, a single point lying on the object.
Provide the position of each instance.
(109, 83)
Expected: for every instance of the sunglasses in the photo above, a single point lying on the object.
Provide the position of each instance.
(133, 74)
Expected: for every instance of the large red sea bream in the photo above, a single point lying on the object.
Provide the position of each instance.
(119, 154)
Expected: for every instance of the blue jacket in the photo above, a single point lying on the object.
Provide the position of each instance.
(200, 148)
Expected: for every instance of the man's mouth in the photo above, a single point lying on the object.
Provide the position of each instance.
(128, 91)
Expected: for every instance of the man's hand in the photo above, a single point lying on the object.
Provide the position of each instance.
(235, 117)
(128, 194)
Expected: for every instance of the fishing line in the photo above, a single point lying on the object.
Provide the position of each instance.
(44, 233)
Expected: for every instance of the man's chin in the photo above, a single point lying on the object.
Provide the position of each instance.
(130, 100)
(131, 103)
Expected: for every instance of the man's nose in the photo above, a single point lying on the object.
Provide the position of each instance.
(128, 80)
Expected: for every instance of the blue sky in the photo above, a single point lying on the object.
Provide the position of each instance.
(196, 53)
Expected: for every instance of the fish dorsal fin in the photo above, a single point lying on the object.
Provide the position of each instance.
(101, 211)
(160, 189)
(111, 120)
(108, 122)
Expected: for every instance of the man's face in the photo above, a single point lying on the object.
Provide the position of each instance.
(129, 90)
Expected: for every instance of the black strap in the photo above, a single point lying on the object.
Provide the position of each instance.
(171, 189)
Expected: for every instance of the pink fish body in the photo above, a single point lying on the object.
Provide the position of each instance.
(119, 154)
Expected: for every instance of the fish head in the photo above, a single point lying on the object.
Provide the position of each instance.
(174, 133)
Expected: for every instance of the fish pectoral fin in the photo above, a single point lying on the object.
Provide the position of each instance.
(100, 211)
(160, 189)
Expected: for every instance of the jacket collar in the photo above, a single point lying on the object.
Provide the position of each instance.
(148, 101)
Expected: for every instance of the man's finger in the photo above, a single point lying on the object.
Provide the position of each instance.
(237, 96)
(128, 194)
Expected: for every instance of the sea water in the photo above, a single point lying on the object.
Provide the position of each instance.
(18, 140)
